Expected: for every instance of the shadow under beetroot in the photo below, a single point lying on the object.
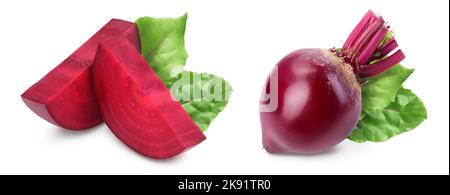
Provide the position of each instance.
(61, 133)
(130, 150)
(330, 152)
(67, 134)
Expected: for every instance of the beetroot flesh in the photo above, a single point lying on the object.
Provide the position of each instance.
(137, 106)
(318, 95)
(319, 103)
(64, 96)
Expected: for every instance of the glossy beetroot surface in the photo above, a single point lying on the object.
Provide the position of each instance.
(315, 96)
(319, 103)
(64, 96)
(137, 106)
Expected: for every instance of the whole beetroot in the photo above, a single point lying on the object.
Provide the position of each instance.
(312, 99)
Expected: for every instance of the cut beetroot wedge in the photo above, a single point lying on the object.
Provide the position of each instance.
(64, 96)
(137, 106)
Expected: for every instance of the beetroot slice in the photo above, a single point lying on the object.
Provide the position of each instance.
(64, 96)
(137, 106)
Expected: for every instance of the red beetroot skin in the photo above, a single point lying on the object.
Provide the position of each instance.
(137, 106)
(318, 95)
(64, 96)
(319, 103)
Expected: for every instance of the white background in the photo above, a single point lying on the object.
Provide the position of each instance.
(240, 41)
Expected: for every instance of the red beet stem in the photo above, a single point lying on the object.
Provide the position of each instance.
(388, 47)
(371, 47)
(382, 65)
(365, 44)
(358, 30)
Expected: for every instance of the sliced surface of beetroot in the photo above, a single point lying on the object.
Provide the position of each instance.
(64, 96)
(137, 106)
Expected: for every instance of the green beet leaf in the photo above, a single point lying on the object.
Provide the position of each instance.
(380, 91)
(162, 43)
(402, 115)
(203, 96)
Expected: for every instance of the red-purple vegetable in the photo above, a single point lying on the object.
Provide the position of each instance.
(64, 96)
(317, 91)
(137, 106)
